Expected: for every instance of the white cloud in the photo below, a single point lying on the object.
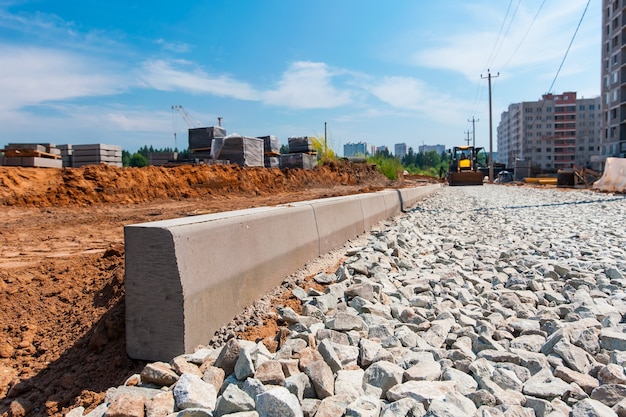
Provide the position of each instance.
(183, 76)
(32, 75)
(178, 47)
(413, 95)
(470, 53)
(307, 85)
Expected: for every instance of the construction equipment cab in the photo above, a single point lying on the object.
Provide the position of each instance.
(463, 169)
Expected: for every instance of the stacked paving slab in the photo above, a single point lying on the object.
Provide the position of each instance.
(204, 143)
(301, 153)
(42, 155)
(244, 151)
(162, 158)
(96, 154)
(271, 151)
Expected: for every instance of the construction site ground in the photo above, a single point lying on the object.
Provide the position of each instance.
(62, 340)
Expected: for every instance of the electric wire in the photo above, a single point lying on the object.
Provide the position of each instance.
(499, 33)
(524, 37)
(569, 46)
(506, 33)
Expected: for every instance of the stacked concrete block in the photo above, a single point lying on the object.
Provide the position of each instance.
(162, 158)
(302, 144)
(97, 154)
(244, 151)
(200, 138)
(42, 155)
(66, 155)
(298, 160)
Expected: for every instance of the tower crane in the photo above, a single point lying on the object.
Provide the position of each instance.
(191, 123)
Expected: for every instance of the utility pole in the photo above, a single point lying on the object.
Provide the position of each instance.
(473, 130)
(467, 132)
(325, 142)
(489, 77)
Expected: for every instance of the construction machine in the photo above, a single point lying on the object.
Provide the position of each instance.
(464, 166)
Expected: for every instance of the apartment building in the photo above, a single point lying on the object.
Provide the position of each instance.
(613, 79)
(356, 149)
(558, 131)
(400, 150)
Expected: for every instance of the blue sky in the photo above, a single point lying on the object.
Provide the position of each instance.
(381, 72)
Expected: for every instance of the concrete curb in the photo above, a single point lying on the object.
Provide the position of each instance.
(186, 277)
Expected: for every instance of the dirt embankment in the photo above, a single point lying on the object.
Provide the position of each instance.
(62, 262)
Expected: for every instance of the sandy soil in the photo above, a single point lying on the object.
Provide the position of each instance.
(62, 263)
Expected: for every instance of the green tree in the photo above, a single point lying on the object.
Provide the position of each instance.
(138, 160)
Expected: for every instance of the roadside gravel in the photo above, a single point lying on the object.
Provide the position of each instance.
(481, 301)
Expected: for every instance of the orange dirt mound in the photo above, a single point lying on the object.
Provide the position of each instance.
(62, 262)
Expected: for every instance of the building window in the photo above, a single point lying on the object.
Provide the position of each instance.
(614, 77)
(592, 107)
(548, 109)
(591, 148)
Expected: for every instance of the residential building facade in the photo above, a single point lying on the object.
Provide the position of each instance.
(356, 149)
(613, 79)
(400, 150)
(427, 148)
(556, 132)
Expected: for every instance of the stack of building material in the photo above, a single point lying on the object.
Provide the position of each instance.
(97, 154)
(302, 144)
(200, 138)
(67, 155)
(44, 155)
(301, 154)
(298, 160)
(244, 151)
(162, 158)
(271, 146)
(200, 142)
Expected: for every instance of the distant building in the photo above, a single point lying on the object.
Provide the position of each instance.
(427, 148)
(555, 132)
(613, 139)
(382, 149)
(356, 149)
(400, 150)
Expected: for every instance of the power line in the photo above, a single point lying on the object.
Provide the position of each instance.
(525, 34)
(499, 33)
(508, 28)
(569, 46)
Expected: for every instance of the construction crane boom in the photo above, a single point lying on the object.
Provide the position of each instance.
(191, 123)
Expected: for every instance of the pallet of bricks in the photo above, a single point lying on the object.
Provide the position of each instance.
(301, 153)
(244, 151)
(96, 154)
(271, 151)
(42, 155)
(205, 142)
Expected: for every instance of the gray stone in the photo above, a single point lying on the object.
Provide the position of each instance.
(609, 394)
(574, 357)
(591, 408)
(612, 374)
(270, 373)
(278, 402)
(383, 375)
(586, 382)
(546, 388)
(333, 406)
(244, 367)
(228, 356)
(350, 383)
(403, 407)
(428, 371)
(422, 391)
(364, 407)
(611, 339)
(158, 373)
(321, 377)
(464, 383)
(192, 392)
(160, 405)
(233, 400)
(309, 406)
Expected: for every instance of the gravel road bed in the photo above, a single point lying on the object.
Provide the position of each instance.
(481, 301)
